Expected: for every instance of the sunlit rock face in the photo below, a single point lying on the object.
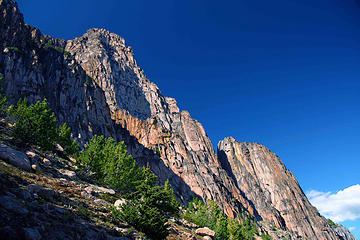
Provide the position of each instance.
(95, 85)
(272, 189)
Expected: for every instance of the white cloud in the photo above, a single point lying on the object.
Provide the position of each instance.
(341, 206)
(352, 228)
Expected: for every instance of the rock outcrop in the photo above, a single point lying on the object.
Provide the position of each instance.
(272, 189)
(344, 233)
(94, 84)
(15, 157)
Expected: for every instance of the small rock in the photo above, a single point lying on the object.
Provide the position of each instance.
(72, 159)
(205, 231)
(14, 157)
(100, 201)
(119, 203)
(68, 173)
(36, 167)
(46, 161)
(97, 189)
(32, 155)
(32, 234)
(207, 238)
(85, 194)
(89, 190)
(59, 148)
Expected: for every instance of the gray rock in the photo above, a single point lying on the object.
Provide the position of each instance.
(97, 190)
(15, 157)
(13, 205)
(44, 192)
(344, 233)
(31, 234)
(25, 195)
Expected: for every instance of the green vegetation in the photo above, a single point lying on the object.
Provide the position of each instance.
(48, 44)
(36, 124)
(14, 49)
(59, 49)
(3, 100)
(211, 216)
(64, 139)
(148, 204)
(332, 223)
(265, 237)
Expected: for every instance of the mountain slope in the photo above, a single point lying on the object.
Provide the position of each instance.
(95, 85)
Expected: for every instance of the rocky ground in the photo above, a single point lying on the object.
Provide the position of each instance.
(43, 197)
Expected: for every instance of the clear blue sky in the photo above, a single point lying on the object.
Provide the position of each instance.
(283, 73)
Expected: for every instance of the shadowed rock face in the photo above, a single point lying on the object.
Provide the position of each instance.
(95, 85)
(272, 189)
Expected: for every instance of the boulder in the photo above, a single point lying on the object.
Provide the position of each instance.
(31, 234)
(205, 231)
(15, 157)
(13, 205)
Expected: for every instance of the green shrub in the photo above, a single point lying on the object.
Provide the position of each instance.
(148, 204)
(143, 217)
(64, 138)
(3, 99)
(34, 124)
(147, 209)
(332, 223)
(265, 237)
(211, 216)
(111, 165)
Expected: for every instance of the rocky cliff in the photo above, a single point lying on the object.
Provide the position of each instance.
(272, 189)
(95, 85)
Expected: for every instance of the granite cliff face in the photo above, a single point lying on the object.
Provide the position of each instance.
(95, 85)
(272, 189)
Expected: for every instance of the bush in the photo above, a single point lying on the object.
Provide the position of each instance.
(34, 124)
(211, 216)
(147, 209)
(143, 217)
(111, 165)
(332, 223)
(64, 138)
(3, 100)
(148, 205)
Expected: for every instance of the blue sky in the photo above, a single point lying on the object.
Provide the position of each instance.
(282, 73)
